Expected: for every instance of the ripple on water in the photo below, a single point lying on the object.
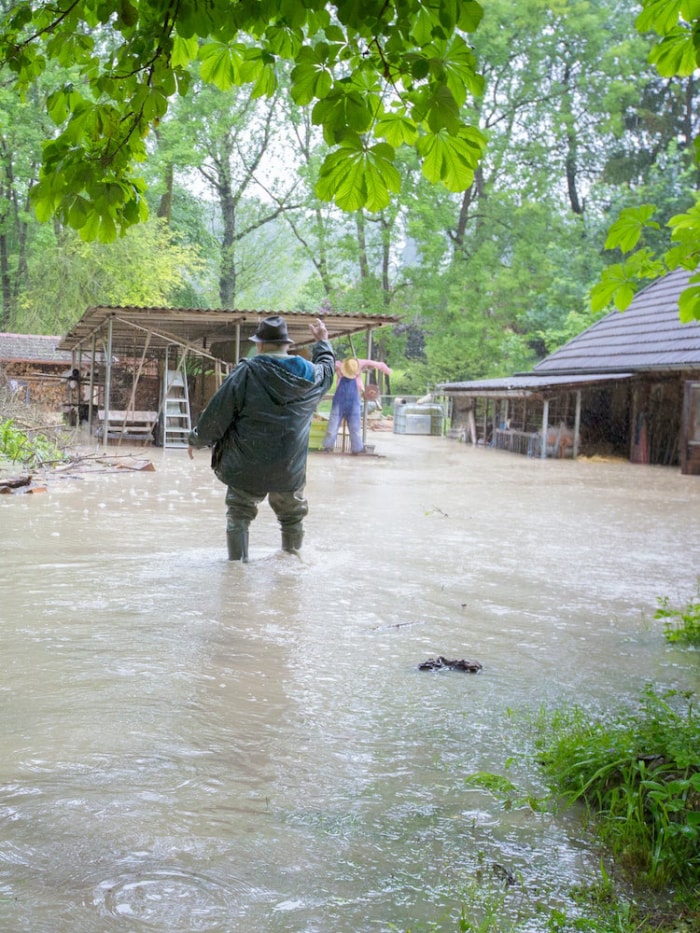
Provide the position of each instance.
(174, 899)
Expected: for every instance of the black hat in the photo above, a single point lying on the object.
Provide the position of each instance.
(272, 330)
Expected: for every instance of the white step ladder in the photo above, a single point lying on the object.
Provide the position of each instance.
(177, 422)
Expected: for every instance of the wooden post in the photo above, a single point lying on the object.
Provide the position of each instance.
(545, 427)
(364, 406)
(92, 382)
(577, 423)
(472, 425)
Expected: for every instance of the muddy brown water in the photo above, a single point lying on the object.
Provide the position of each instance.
(193, 745)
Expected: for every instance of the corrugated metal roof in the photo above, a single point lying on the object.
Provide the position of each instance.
(202, 328)
(647, 336)
(32, 348)
(528, 385)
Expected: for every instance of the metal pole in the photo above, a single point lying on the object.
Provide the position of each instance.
(364, 407)
(577, 423)
(545, 425)
(92, 382)
(108, 382)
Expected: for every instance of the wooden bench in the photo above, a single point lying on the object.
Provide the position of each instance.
(128, 426)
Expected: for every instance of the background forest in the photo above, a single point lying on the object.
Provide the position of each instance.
(486, 282)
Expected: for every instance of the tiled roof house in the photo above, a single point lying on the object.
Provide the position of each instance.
(32, 348)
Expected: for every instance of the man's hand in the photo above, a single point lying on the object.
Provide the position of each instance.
(319, 330)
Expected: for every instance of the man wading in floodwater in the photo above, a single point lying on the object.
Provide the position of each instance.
(258, 424)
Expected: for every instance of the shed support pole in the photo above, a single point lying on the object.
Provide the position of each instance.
(92, 383)
(545, 426)
(364, 406)
(472, 424)
(577, 423)
(238, 343)
(108, 382)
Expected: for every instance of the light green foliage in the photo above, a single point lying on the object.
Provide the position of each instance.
(19, 447)
(148, 268)
(681, 624)
(639, 772)
(675, 54)
(373, 74)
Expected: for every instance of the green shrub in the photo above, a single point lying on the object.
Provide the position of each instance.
(639, 774)
(680, 625)
(18, 447)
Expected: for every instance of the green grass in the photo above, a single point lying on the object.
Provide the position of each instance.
(639, 775)
(680, 624)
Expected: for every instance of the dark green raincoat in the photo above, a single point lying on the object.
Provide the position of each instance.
(258, 422)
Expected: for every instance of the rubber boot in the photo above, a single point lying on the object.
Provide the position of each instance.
(237, 540)
(292, 537)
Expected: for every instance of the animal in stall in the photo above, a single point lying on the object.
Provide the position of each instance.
(560, 440)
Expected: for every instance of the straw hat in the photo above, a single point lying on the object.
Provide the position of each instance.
(272, 330)
(350, 368)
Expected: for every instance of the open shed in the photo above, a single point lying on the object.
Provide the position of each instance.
(161, 365)
(628, 385)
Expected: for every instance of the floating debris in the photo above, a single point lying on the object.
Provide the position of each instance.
(14, 482)
(442, 664)
(504, 873)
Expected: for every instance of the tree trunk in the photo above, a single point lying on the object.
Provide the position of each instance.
(165, 208)
(571, 161)
(227, 274)
(5, 310)
(362, 245)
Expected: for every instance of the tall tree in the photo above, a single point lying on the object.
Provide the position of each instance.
(316, 225)
(226, 138)
(519, 250)
(22, 128)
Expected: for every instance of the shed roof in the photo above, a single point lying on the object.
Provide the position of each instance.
(202, 329)
(648, 336)
(32, 348)
(526, 385)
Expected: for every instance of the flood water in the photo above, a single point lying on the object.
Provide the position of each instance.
(193, 745)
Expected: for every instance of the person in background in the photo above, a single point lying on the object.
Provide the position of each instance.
(258, 424)
(346, 402)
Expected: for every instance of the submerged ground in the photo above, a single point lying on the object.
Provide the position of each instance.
(190, 745)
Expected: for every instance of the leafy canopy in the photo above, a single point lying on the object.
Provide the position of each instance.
(376, 75)
(675, 53)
